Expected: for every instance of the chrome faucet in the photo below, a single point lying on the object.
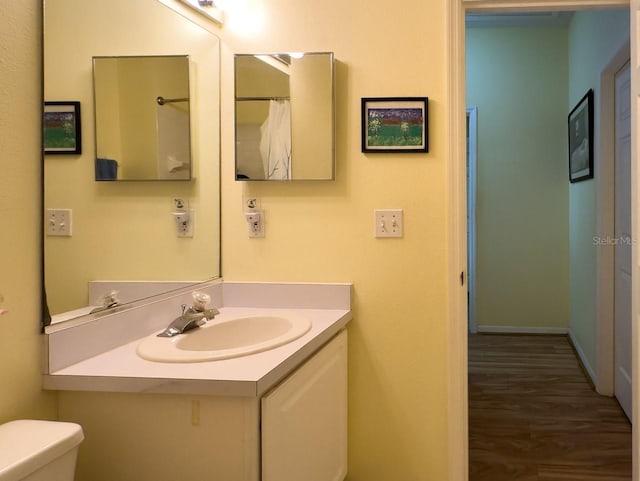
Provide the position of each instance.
(191, 318)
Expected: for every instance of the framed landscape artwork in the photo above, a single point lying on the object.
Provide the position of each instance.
(395, 124)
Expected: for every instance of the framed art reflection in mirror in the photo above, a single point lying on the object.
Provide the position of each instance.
(62, 128)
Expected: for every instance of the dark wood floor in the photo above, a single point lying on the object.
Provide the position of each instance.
(534, 417)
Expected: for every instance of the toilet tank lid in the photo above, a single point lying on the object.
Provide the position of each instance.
(27, 445)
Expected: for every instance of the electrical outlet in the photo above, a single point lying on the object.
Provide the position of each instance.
(255, 219)
(59, 222)
(184, 223)
(388, 223)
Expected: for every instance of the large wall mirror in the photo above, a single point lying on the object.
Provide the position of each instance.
(284, 116)
(125, 231)
(142, 118)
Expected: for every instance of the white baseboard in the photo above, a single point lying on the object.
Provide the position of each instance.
(523, 330)
(583, 358)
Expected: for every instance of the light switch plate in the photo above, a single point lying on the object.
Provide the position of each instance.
(59, 222)
(388, 223)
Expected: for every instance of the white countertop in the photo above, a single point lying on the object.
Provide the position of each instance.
(122, 370)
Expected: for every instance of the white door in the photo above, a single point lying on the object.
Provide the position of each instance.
(622, 245)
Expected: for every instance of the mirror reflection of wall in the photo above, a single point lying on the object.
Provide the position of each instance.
(284, 116)
(142, 118)
(124, 231)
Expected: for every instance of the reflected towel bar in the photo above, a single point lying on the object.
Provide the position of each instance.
(162, 100)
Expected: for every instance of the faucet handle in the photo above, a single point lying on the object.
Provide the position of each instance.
(200, 301)
(108, 299)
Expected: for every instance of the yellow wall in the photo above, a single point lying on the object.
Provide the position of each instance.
(518, 80)
(114, 224)
(594, 37)
(323, 231)
(315, 231)
(20, 115)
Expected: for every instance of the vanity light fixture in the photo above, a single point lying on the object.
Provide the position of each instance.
(206, 8)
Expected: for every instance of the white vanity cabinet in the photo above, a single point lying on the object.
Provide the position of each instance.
(304, 420)
(296, 431)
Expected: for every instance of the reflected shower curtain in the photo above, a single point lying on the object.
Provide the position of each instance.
(275, 142)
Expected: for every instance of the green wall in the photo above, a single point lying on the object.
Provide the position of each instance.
(517, 78)
(594, 37)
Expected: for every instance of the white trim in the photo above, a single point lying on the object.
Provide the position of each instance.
(605, 214)
(582, 356)
(456, 231)
(505, 6)
(458, 435)
(472, 183)
(522, 330)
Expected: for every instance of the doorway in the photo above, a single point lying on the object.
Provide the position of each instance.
(517, 77)
(457, 176)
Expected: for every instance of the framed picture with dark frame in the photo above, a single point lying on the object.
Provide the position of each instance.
(395, 124)
(62, 128)
(581, 139)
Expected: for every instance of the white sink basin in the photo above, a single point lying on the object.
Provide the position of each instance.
(224, 339)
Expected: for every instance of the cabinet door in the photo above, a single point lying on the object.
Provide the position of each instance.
(304, 420)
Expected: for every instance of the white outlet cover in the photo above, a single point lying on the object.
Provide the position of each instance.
(184, 231)
(257, 229)
(388, 223)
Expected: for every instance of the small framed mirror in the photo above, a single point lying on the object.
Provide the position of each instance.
(284, 116)
(142, 118)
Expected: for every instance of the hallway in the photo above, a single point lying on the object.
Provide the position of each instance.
(533, 416)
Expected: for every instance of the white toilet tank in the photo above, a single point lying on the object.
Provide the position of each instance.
(38, 450)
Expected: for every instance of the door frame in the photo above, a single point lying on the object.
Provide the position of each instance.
(457, 200)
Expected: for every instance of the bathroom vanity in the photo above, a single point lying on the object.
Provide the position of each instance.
(275, 415)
